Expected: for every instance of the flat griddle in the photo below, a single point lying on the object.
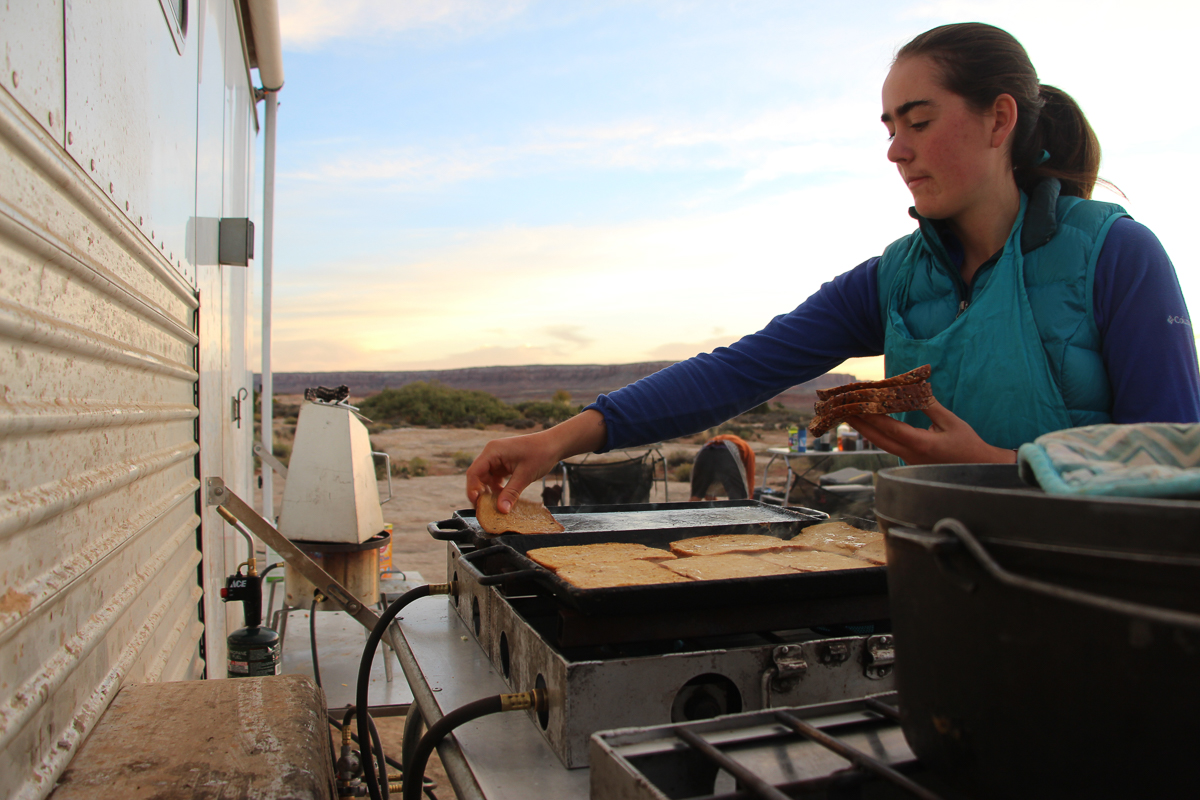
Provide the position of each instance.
(505, 560)
(464, 528)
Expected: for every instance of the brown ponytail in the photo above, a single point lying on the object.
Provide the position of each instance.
(979, 63)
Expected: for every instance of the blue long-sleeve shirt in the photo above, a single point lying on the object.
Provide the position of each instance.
(1148, 346)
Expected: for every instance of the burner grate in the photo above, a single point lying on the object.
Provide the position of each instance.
(827, 750)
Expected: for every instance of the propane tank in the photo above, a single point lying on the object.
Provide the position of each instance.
(253, 650)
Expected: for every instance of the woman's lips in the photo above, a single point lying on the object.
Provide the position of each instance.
(917, 181)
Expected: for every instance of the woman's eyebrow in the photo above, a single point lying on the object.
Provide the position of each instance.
(904, 109)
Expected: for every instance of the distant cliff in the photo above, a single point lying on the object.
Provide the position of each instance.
(515, 384)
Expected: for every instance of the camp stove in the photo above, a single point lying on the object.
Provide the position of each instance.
(610, 672)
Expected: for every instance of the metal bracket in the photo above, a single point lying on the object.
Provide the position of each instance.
(214, 492)
(879, 656)
(269, 459)
(387, 470)
(789, 660)
(788, 667)
(834, 653)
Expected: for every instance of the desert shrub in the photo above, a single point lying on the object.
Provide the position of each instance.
(548, 414)
(682, 472)
(520, 423)
(434, 405)
(462, 460)
(283, 452)
(677, 457)
(415, 467)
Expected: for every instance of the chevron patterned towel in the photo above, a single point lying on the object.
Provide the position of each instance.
(1143, 460)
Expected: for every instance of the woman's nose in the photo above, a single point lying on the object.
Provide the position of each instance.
(898, 151)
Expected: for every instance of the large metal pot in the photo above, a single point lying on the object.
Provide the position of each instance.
(1047, 646)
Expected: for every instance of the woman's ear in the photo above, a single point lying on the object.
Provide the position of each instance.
(1004, 119)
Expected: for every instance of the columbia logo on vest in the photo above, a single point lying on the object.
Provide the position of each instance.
(1179, 321)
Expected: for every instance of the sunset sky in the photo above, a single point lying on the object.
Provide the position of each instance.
(490, 182)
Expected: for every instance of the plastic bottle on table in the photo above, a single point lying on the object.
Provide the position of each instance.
(847, 437)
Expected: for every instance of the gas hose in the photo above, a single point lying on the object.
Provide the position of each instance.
(415, 775)
(364, 676)
(312, 637)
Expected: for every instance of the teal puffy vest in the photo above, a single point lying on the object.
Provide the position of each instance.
(1024, 356)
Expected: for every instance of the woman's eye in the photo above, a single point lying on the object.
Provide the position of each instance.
(919, 126)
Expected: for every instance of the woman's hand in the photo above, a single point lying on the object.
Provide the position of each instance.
(948, 440)
(524, 459)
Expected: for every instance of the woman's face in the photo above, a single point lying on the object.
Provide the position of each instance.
(946, 152)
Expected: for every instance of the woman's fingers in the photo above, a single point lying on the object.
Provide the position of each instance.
(506, 467)
(948, 440)
(885, 433)
(942, 418)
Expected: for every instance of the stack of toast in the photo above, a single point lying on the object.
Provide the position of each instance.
(908, 392)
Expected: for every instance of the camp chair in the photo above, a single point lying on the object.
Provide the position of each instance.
(613, 482)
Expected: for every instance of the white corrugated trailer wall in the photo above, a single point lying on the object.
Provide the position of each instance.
(99, 234)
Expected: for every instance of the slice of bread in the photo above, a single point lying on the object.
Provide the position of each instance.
(812, 560)
(893, 394)
(525, 517)
(875, 552)
(728, 565)
(621, 573)
(836, 537)
(917, 375)
(721, 544)
(584, 555)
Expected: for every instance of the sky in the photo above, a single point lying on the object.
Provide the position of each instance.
(466, 183)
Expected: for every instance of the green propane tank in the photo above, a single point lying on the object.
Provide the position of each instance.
(253, 650)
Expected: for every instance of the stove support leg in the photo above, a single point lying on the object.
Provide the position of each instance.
(387, 645)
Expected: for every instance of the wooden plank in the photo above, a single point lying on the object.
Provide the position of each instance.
(234, 739)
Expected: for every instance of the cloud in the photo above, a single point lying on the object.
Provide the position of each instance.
(307, 24)
(678, 351)
(814, 139)
(568, 333)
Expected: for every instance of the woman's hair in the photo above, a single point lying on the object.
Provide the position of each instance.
(979, 63)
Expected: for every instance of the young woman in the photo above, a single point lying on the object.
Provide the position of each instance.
(1038, 308)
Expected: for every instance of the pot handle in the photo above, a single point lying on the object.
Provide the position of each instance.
(939, 547)
(1164, 616)
(499, 578)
